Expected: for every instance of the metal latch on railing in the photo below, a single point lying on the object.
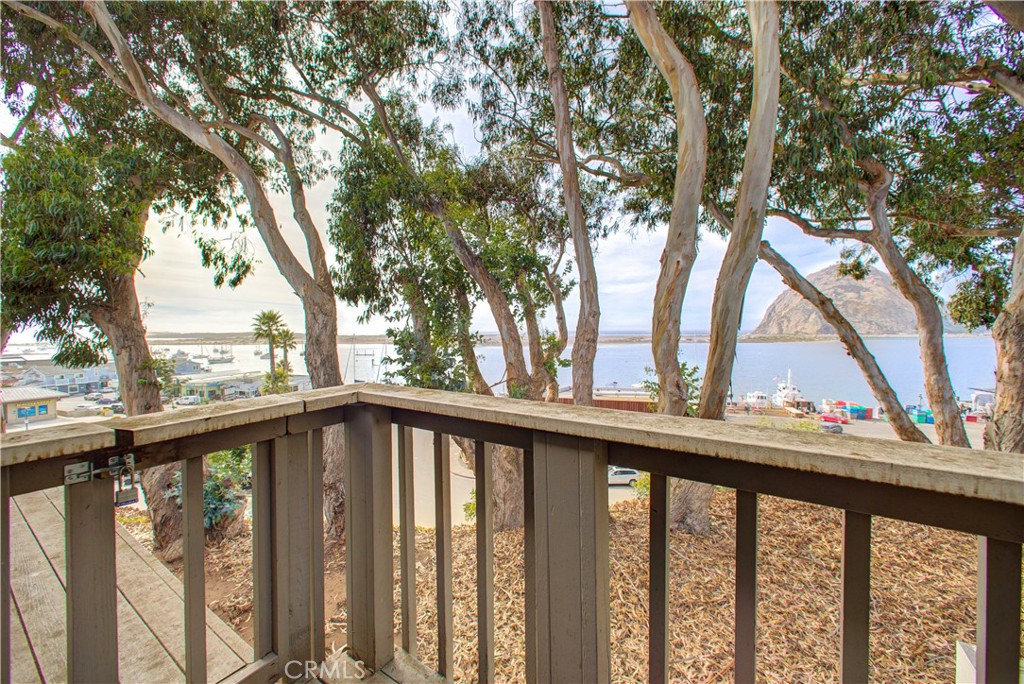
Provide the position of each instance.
(85, 471)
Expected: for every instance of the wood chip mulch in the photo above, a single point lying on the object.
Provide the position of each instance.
(923, 596)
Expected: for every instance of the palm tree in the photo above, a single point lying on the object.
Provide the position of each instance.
(286, 341)
(267, 325)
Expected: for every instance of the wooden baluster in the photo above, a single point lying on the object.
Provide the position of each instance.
(316, 542)
(262, 550)
(293, 640)
(193, 548)
(370, 576)
(746, 586)
(443, 532)
(856, 603)
(484, 564)
(659, 574)
(568, 560)
(91, 574)
(999, 598)
(534, 558)
(407, 535)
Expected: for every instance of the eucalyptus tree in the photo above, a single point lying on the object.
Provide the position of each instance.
(530, 68)
(252, 84)
(74, 211)
(584, 346)
(867, 89)
(393, 219)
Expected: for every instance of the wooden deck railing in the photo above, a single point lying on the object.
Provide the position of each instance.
(566, 453)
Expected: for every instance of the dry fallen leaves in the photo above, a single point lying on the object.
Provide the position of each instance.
(923, 596)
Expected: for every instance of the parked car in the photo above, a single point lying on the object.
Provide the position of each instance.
(108, 390)
(832, 428)
(622, 476)
(92, 396)
(187, 401)
(106, 401)
(117, 407)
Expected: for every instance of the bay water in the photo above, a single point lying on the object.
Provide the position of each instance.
(821, 369)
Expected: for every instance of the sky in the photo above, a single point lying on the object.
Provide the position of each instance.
(178, 294)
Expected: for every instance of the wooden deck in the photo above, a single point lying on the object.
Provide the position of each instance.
(150, 608)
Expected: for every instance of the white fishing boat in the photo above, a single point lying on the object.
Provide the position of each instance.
(787, 394)
(757, 399)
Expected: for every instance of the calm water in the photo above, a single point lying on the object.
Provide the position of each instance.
(820, 369)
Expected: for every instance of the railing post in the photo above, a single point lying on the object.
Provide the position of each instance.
(999, 596)
(91, 576)
(567, 560)
(293, 638)
(370, 575)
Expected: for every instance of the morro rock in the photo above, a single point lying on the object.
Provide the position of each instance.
(873, 305)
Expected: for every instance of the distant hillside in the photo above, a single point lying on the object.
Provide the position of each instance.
(873, 305)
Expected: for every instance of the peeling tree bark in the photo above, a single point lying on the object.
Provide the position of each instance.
(941, 398)
(690, 500)
(681, 244)
(120, 321)
(584, 346)
(748, 224)
(1006, 431)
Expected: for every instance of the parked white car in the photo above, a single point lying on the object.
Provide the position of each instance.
(92, 396)
(108, 390)
(622, 476)
(188, 401)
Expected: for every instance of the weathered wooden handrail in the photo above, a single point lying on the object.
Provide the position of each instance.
(566, 451)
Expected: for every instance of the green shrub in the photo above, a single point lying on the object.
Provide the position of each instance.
(469, 508)
(234, 464)
(642, 486)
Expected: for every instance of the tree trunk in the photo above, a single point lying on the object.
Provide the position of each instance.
(899, 420)
(584, 346)
(121, 323)
(271, 350)
(690, 500)
(321, 323)
(938, 388)
(315, 293)
(1006, 431)
(516, 375)
(748, 222)
(1011, 11)
(508, 487)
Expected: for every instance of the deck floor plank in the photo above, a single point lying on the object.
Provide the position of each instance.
(141, 656)
(158, 597)
(39, 594)
(24, 668)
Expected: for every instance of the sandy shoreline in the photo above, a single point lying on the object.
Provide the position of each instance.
(167, 338)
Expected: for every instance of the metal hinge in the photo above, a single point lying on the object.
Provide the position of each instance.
(85, 471)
